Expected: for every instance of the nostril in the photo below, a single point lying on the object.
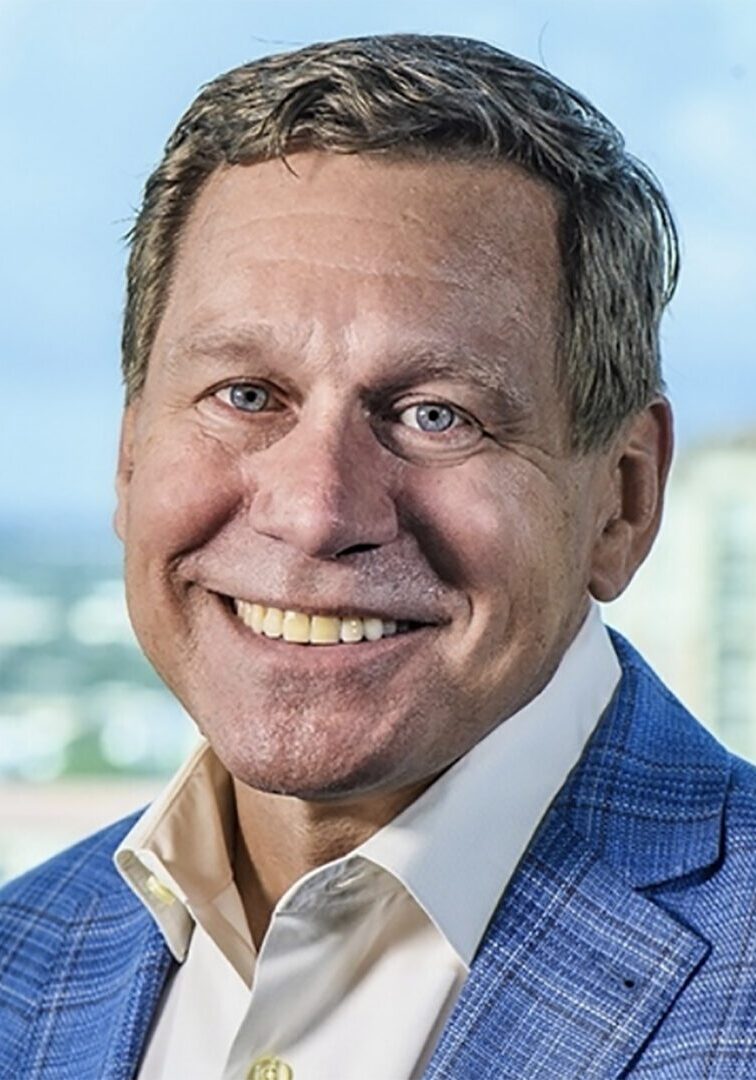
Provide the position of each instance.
(357, 549)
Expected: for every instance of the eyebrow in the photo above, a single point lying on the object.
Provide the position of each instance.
(427, 361)
(218, 345)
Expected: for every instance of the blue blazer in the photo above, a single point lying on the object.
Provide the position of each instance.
(625, 944)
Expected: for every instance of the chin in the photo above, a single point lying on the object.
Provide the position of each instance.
(327, 785)
(317, 769)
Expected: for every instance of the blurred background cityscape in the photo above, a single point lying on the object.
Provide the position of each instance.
(91, 89)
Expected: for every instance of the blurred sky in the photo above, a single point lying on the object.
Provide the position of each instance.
(90, 90)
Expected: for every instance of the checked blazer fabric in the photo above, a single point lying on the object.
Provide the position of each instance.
(624, 945)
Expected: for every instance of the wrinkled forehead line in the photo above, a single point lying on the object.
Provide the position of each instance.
(404, 189)
(459, 222)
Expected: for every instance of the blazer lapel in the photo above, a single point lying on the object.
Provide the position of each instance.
(578, 966)
(144, 983)
(574, 972)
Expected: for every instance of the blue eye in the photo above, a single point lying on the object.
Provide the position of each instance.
(247, 397)
(432, 417)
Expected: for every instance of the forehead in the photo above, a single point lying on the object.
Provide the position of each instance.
(335, 248)
(453, 210)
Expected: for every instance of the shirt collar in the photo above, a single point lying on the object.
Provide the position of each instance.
(456, 847)
(177, 857)
(181, 849)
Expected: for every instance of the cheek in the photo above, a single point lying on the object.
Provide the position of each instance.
(492, 533)
(184, 487)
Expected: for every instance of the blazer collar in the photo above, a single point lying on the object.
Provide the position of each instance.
(648, 794)
(577, 966)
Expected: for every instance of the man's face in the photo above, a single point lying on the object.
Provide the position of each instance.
(351, 413)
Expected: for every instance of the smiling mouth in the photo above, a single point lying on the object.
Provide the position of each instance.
(299, 628)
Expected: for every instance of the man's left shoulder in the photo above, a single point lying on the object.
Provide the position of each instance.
(735, 871)
(698, 801)
(740, 816)
(675, 771)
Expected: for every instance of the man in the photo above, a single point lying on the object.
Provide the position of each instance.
(394, 417)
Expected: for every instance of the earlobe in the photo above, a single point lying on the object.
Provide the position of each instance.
(123, 471)
(639, 464)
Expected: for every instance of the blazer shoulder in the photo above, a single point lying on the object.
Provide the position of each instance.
(40, 909)
(740, 817)
(663, 726)
(72, 936)
(688, 742)
(58, 887)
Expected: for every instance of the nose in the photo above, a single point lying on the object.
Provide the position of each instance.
(325, 489)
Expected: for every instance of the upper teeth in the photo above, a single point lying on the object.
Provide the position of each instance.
(296, 626)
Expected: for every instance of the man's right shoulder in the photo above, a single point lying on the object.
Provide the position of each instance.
(57, 887)
(74, 943)
(40, 909)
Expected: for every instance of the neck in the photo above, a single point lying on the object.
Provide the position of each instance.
(279, 839)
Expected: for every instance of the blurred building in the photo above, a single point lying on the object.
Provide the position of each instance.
(692, 607)
(87, 731)
(77, 698)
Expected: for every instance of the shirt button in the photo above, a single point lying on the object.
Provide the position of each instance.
(158, 890)
(270, 1068)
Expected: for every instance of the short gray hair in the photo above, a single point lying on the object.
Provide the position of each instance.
(412, 96)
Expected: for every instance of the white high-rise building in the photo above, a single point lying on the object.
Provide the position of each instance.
(692, 607)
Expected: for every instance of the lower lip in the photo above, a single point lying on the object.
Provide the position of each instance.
(324, 657)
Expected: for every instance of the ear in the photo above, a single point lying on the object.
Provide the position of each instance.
(638, 468)
(124, 470)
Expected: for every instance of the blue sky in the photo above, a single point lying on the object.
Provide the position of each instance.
(91, 89)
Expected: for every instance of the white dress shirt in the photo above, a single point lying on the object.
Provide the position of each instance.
(364, 957)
